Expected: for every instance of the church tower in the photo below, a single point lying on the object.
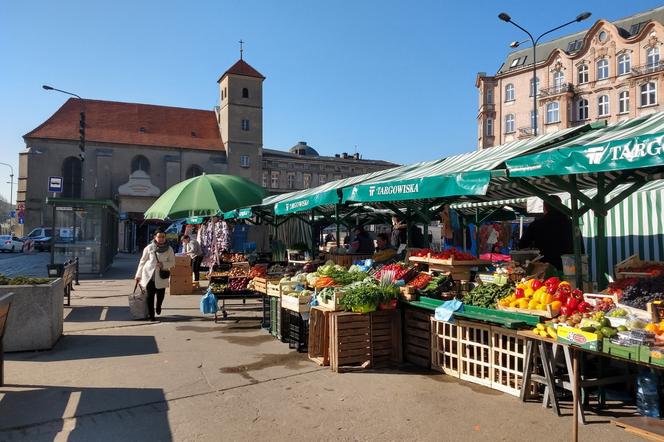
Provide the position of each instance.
(241, 119)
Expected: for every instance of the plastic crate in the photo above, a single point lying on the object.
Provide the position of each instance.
(475, 352)
(275, 317)
(508, 356)
(298, 329)
(445, 347)
(265, 323)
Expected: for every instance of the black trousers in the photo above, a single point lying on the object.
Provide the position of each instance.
(151, 290)
(196, 267)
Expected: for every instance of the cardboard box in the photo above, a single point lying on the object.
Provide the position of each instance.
(579, 338)
(182, 260)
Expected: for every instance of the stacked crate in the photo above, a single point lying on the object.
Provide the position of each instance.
(181, 281)
(417, 337)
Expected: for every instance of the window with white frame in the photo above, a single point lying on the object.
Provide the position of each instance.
(489, 95)
(624, 64)
(244, 160)
(245, 125)
(291, 180)
(582, 108)
(553, 112)
(509, 92)
(603, 69)
(489, 127)
(648, 93)
(274, 179)
(265, 178)
(582, 71)
(623, 102)
(652, 57)
(534, 86)
(509, 124)
(558, 80)
(603, 106)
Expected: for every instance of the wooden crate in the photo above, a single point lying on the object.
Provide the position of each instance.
(445, 347)
(347, 260)
(508, 357)
(350, 340)
(475, 352)
(417, 337)
(260, 283)
(386, 338)
(634, 261)
(332, 303)
(319, 335)
(297, 304)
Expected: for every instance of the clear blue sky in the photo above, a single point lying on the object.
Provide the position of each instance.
(395, 78)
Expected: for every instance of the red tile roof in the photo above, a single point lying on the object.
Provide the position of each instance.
(121, 123)
(242, 68)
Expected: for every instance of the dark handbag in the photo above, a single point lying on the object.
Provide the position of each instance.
(163, 274)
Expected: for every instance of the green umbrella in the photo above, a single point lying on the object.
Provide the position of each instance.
(205, 195)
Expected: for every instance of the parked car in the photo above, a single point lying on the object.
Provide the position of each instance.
(10, 243)
(41, 238)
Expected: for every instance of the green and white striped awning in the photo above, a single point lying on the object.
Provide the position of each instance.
(459, 175)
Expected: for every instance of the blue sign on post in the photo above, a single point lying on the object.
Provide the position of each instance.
(55, 184)
(21, 221)
(12, 214)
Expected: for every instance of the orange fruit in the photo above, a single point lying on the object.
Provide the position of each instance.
(652, 328)
(555, 305)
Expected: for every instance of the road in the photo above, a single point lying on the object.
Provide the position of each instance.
(24, 264)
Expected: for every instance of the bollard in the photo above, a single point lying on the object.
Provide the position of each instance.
(76, 280)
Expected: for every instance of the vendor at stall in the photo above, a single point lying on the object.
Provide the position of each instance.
(193, 249)
(384, 251)
(552, 234)
(362, 242)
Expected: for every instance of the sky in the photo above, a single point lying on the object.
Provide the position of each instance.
(393, 79)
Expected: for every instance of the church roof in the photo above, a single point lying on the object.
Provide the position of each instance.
(301, 148)
(242, 68)
(133, 123)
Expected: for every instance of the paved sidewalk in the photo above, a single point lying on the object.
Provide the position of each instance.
(187, 378)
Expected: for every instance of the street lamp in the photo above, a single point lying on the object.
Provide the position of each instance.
(11, 190)
(506, 18)
(81, 129)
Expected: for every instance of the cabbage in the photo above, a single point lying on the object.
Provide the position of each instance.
(329, 262)
(354, 269)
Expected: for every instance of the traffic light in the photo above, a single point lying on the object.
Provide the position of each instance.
(81, 135)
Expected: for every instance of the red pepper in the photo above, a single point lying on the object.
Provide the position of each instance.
(519, 293)
(584, 307)
(560, 296)
(551, 290)
(578, 294)
(536, 284)
(552, 281)
(566, 289)
(572, 304)
(564, 310)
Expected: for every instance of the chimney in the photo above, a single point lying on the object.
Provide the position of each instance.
(336, 155)
(356, 155)
(344, 155)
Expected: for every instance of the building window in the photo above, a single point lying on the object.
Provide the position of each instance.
(553, 112)
(489, 127)
(489, 95)
(274, 179)
(558, 80)
(583, 109)
(244, 160)
(193, 170)
(245, 92)
(534, 86)
(321, 179)
(71, 178)
(603, 106)
(582, 74)
(245, 125)
(624, 64)
(291, 181)
(649, 94)
(306, 180)
(265, 178)
(509, 92)
(603, 69)
(509, 123)
(652, 58)
(533, 118)
(139, 162)
(623, 102)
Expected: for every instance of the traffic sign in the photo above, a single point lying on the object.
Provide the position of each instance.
(12, 214)
(21, 221)
(55, 184)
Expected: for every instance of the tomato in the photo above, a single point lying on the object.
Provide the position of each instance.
(519, 293)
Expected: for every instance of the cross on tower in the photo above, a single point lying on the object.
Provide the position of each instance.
(241, 49)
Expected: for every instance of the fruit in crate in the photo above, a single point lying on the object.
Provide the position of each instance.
(643, 291)
(420, 281)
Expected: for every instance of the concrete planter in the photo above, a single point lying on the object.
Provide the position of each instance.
(35, 316)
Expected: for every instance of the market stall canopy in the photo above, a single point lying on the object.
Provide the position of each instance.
(205, 195)
(632, 144)
(244, 213)
(459, 175)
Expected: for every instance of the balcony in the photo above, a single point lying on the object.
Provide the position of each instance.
(648, 68)
(557, 90)
(525, 132)
(487, 107)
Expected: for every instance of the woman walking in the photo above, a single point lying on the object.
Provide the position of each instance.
(153, 271)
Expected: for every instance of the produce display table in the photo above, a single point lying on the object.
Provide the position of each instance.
(459, 270)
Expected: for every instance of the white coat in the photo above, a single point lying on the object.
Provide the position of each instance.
(147, 266)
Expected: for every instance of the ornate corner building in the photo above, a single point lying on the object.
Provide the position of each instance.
(134, 152)
(612, 71)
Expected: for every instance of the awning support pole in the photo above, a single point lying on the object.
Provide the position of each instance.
(600, 238)
(576, 235)
(336, 220)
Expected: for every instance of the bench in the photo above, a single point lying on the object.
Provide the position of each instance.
(5, 302)
(68, 278)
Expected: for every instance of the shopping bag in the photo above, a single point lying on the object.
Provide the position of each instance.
(138, 304)
(208, 303)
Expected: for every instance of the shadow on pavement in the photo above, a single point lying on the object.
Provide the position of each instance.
(76, 347)
(24, 406)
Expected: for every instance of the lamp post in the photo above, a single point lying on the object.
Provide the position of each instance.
(11, 191)
(81, 129)
(506, 18)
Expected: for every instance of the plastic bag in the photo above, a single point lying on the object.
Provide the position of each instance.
(208, 303)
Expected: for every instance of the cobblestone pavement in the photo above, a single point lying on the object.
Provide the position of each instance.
(24, 264)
